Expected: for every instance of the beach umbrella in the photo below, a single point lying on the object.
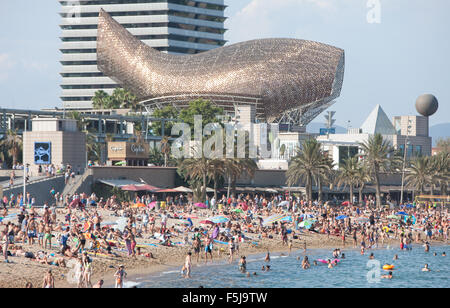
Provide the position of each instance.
(284, 203)
(219, 219)
(305, 216)
(341, 217)
(345, 203)
(201, 205)
(120, 163)
(206, 222)
(306, 224)
(410, 206)
(273, 218)
(363, 219)
(237, 211)
(287, 218)
(152, 205)
(401, 213)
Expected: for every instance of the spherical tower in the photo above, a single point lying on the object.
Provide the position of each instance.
(427, 105)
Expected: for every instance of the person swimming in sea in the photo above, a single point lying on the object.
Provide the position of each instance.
(371, 257)
(426, 268)
(395, 257)
(388, 276)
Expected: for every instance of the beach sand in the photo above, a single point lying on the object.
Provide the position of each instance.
(23, 270)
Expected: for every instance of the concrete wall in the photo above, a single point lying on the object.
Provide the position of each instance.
(40, 190)
(156, 176)
(264, 178)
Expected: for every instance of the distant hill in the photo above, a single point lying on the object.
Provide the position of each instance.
(439, 131)
(315, 127)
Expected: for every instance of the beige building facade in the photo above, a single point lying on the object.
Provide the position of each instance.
(54, 142)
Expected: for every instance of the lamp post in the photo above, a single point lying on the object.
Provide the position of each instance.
(25, 175)
(407, 143)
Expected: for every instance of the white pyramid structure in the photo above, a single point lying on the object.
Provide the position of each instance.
(378, 123)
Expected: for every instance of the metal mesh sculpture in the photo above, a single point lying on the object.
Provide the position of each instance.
(287, 80)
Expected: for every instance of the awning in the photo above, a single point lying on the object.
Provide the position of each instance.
(141, 187)
(183, 189)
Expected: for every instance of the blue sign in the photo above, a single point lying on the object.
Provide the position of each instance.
(42, 153)
(326, 131)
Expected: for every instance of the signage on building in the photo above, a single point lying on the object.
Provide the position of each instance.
(127, 150)
(42, 153)
(326, 131)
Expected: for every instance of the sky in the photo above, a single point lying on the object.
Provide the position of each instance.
(395, 50)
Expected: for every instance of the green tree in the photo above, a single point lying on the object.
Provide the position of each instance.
(101, 100)
(306, 165)
(378, 155)
(12, 141)
(443, 144)
(362, 178)
(168, 112)
(205, 108)
(419, 173)
(348, 174)
(122, 98)
(441, 170)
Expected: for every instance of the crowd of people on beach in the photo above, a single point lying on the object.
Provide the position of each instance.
(134, 227)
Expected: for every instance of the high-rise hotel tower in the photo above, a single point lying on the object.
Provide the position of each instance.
(172, 26)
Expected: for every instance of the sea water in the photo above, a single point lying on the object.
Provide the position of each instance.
(352, 272)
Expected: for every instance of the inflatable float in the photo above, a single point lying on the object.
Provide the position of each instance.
(388, 267)
(326, 261)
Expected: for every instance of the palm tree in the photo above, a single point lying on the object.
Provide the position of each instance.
(378, 155)
(165, 149)
(324, 175)
(101, 100)
(196, 170)
(93, 148)
(419, 173)
(236, 168)
(362, 178)
(306, 164)
(216, 171)
(13, 142)
(348, 174)
(441, 170)
(156, 157)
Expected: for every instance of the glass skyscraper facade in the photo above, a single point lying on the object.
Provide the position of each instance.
(171, 26)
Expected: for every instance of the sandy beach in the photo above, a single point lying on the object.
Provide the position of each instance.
(22, 270)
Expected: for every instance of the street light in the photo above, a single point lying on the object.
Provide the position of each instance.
(25, 175)
(407, 143)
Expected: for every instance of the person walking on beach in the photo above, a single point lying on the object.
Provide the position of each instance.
(187, 265)
(196, 246)
(231, 249)
(208, 249)
(119, 275)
